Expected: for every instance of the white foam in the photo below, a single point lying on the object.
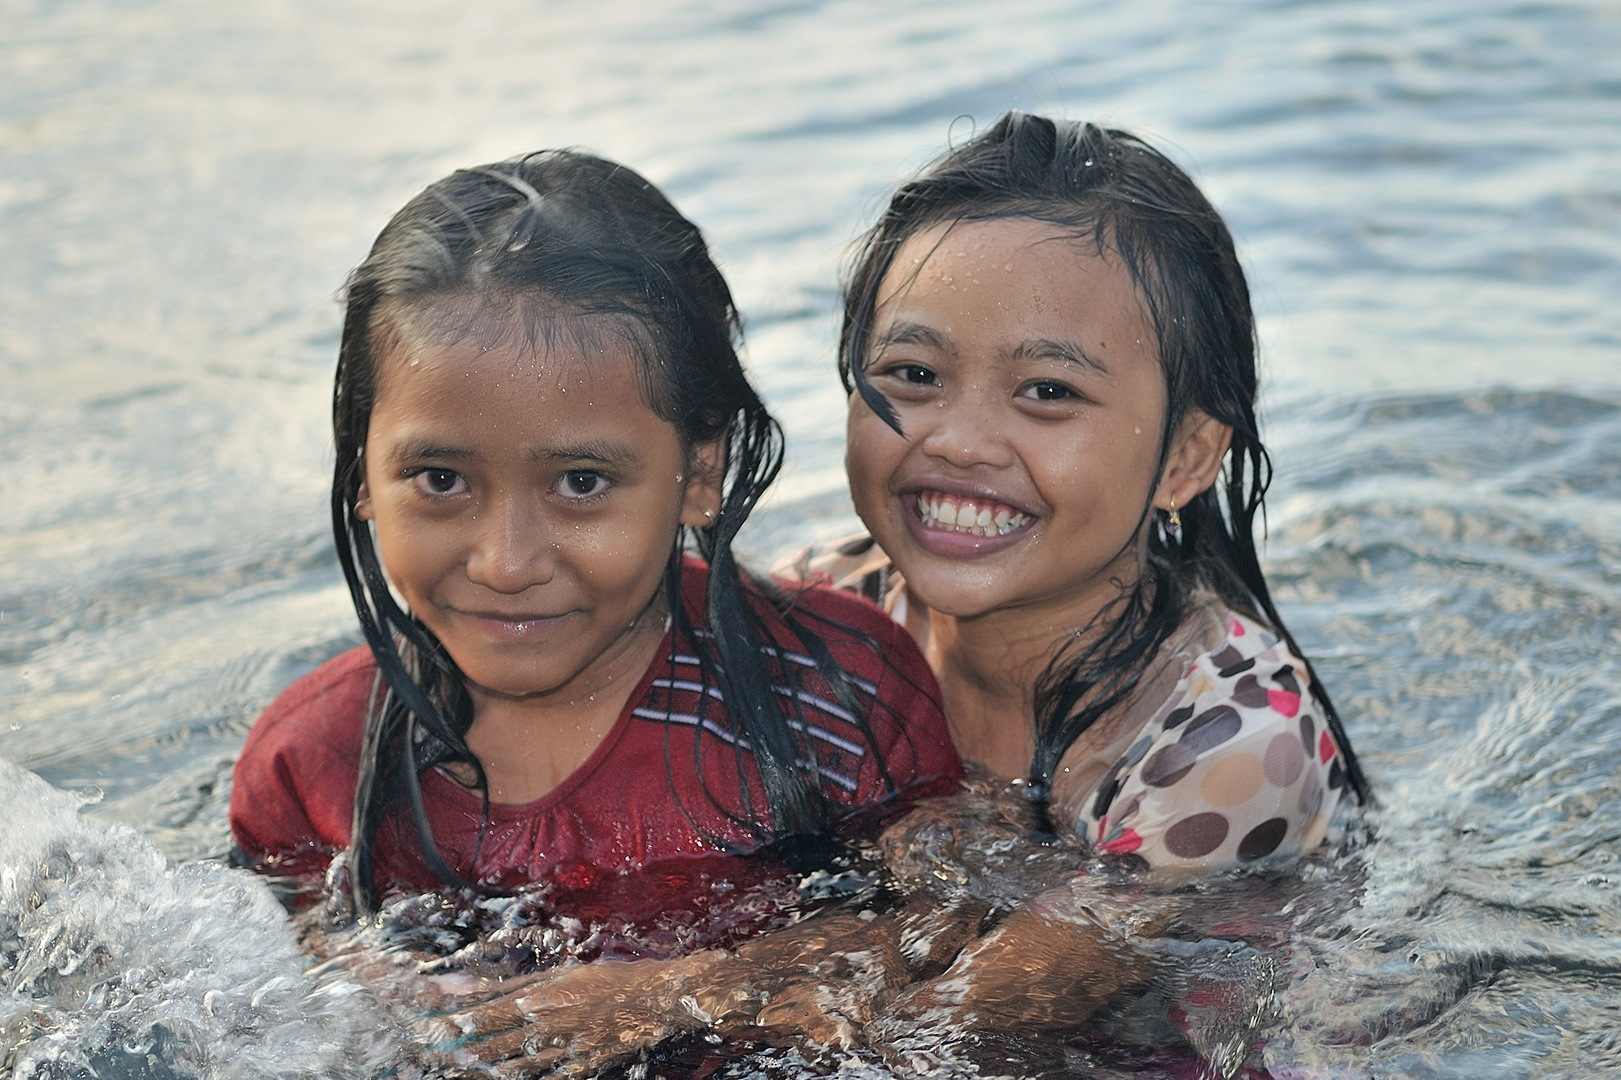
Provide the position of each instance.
(114, 962)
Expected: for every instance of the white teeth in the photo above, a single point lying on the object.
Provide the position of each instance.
(945, 512)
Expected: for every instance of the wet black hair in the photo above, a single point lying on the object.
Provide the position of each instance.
(561, 237)
(1115, 191)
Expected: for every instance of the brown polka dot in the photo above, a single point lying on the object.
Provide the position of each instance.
(1168, 765)
(1178, 718)
(1196, 836)
(1284, 760)
(1211, 728)
(1229, 662)
(1262, 840)
(1308, 734)
(1250, 693)
(1200, 686)
(1233, 780)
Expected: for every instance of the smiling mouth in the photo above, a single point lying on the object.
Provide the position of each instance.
(970, 516)
(515, 625)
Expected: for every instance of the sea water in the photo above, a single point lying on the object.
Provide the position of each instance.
(1427, 197)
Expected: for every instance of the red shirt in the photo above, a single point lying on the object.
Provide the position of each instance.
(637, 799)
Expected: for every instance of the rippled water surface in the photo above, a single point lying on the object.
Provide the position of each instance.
(1427, 196)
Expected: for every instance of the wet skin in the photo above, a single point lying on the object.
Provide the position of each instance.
(1025, 373)
(526, 499)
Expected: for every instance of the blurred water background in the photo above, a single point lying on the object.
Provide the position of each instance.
(1427, 196)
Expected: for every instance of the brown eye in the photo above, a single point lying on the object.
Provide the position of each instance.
(440, 482)
(1048, 391)
(912, 374)
(582, 484)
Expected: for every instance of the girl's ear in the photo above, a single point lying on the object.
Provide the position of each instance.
(1194, 461)
(705, 473)
(363, 509)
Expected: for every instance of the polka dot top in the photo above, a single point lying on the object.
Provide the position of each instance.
(1221, 758)
(1234, 765)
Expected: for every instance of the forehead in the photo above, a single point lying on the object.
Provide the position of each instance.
(497, 397)
(470, 338)
(1030, 270)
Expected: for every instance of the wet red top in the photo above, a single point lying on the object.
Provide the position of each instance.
(637, 799)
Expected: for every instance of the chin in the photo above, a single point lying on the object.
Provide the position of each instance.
(960, 600)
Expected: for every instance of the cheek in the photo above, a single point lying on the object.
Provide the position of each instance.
(617, 553)
(1103, 474)
(407, 555)
(871, 453)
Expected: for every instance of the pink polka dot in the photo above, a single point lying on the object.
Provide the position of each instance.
(1325, 748)
(1238, 628)
(1283, 702)
(1124, 844)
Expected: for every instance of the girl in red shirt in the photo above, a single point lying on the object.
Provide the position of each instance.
(539, 410)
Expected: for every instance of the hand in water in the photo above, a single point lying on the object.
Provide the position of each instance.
(1033, 970)
(574, 1021)
(815, 984)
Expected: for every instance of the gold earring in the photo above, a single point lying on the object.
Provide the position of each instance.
(1173, 523)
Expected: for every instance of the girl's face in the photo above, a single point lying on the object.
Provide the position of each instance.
(1024, 371)
(526, 500)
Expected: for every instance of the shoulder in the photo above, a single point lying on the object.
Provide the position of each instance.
(902, 718)
(293, 787)
(331, 699)
(846, 622)
(842, 609)
(907, 719)
(1235, 766)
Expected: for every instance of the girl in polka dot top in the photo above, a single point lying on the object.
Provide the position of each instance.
(1052, 443)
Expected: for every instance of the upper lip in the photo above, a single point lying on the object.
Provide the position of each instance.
(963, 490)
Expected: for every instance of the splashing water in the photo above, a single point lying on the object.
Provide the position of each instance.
(116, 963)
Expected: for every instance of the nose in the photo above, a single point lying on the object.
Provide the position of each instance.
(512, 548)
(963, 431)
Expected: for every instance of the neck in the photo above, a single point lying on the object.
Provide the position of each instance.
(529, 745)
(988, 666)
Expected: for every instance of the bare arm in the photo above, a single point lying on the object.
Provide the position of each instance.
(820, 981)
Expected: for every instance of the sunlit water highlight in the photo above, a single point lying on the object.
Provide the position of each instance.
(1428, 197)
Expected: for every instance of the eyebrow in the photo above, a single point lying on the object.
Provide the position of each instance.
(593, 451)
(1064, 352)
(908, 333)
(417, 449)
